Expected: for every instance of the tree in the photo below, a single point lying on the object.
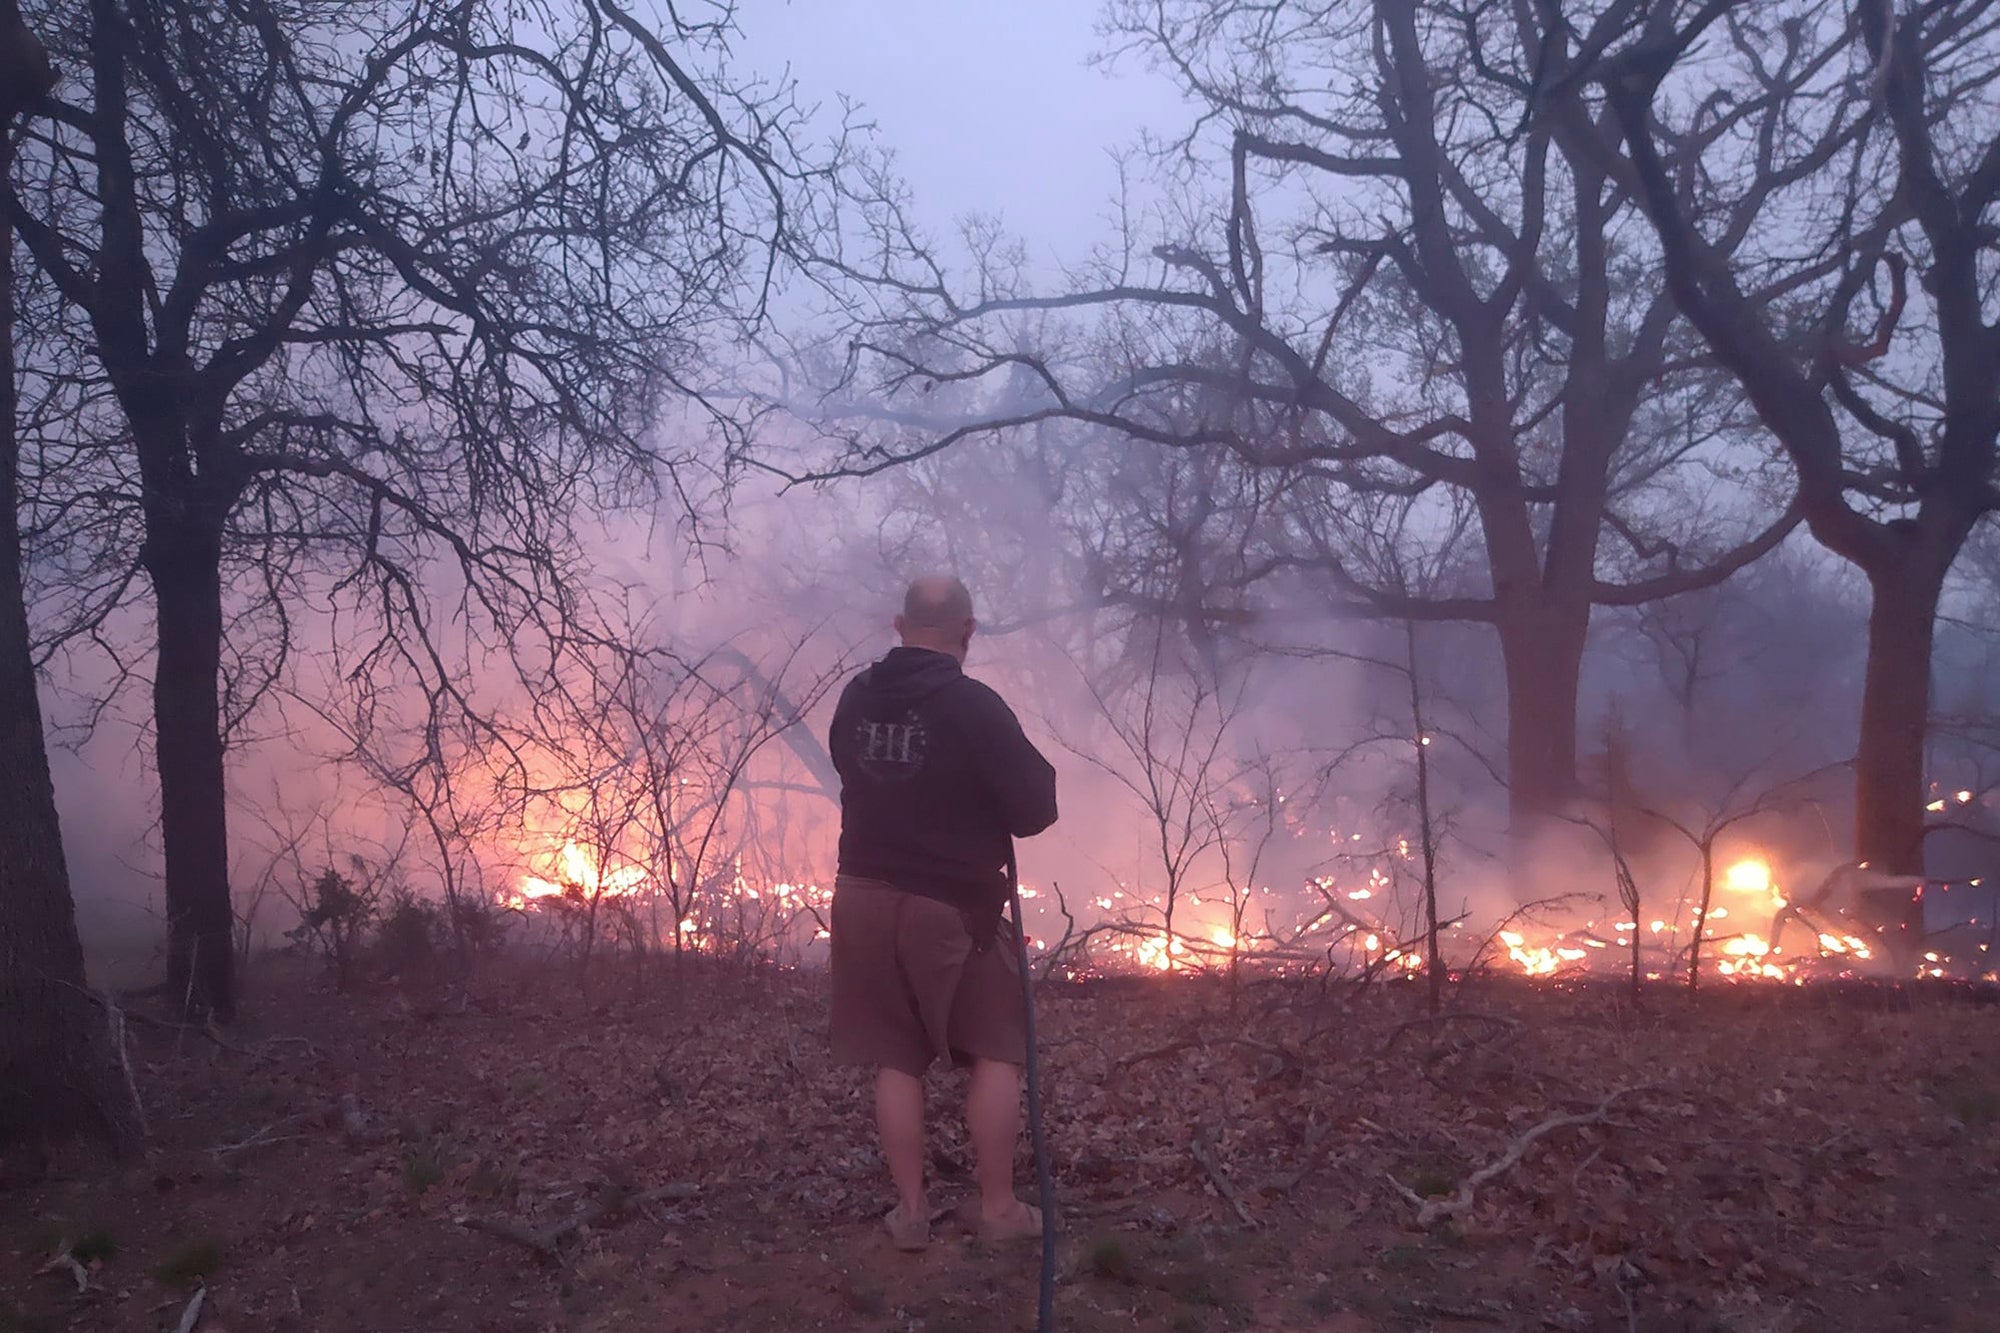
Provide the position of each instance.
(1843, 153)
(431, 307)
(1167, 727)
(57, 1075)
(1395, 294)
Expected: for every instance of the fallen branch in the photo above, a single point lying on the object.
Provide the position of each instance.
(115, 1020)
(178, 1029)
(1396, 1034)
(192, 1314)
(1157, 1053)
(1286, 1058)
(1199, 1150)
(547, 1242)
(311, 1049)
(1432, 1211)
(1470, 1314)
(261, 1138)
(66, 1262)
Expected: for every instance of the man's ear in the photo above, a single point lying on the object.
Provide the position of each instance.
(898, 623)
(971, 626)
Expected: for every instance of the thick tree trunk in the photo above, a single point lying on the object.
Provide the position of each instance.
(1895, 715)
(184, 558)
(58, 1073)
(1542, 655)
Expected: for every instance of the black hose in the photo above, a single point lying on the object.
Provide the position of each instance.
(1045, 1316)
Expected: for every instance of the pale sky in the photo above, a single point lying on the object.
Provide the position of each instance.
(989, 105)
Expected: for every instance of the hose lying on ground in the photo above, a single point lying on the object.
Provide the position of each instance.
(1045, 1182)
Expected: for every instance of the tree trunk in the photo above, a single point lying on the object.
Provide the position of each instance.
(1895, 714)
(1542, 655)
(58, 1073)
(184, 558)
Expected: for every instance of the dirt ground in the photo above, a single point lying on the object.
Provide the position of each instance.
(1767, 1160)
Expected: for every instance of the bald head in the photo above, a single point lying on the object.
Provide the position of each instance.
(937, 614)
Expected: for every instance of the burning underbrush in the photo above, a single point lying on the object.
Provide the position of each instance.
(1361, 926)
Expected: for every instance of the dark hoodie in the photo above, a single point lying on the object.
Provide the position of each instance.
(935, 777)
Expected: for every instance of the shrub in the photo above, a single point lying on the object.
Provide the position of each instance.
(407, 938)
(333, 920)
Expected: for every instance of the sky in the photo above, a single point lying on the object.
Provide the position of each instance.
(990, 107)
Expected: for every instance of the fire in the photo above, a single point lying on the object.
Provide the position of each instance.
(1843, 944)
(578, 872)
(1748, 876)
(1538, 960)
(1749, 956)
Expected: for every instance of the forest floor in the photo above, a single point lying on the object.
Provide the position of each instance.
(1767, 1160)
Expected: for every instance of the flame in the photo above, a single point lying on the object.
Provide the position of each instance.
(1752, 875)
(576, 871)
(1749, 956)
(1538, 960)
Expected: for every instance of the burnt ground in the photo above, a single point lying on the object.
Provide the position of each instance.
(1775, 1159)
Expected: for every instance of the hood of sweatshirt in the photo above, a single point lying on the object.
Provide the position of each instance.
(907, 676)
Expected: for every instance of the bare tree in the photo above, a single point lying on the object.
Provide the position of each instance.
(1168, 724)
(58, 1075)
(1395, 292)
(1841, 152)
(643, 792)
(429, 308)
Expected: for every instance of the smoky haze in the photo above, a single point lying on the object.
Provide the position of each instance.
(1280, 723)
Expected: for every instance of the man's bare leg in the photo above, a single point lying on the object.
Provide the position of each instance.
(993, 1120)
(899, 1119)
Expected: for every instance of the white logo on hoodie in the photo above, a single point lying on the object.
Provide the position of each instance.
(892, 751)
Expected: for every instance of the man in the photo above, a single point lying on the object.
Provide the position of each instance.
(935, 779)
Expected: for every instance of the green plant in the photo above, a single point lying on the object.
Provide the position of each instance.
(423, 1167)
(92, 1245)
(193, 1262)
(1109, 1259)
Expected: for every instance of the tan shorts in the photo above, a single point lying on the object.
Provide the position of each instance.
(908, 986)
